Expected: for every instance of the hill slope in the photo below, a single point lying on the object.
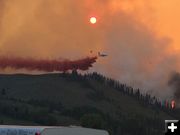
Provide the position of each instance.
(66, 99)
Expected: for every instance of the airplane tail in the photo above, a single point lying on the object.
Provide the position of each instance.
(99, 54)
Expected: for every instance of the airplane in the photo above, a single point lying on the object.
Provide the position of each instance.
(102, 55)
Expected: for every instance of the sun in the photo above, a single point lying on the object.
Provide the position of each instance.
(93, 20)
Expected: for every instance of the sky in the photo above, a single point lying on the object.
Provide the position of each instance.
(141, 37)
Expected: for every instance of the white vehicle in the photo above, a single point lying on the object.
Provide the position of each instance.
(38, 130)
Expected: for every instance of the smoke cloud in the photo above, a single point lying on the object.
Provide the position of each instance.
(47, 65)
(138, 54)
(174, 82)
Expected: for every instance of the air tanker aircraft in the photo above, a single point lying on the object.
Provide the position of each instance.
(102, 54)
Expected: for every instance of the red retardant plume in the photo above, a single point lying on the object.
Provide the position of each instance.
(47, 65)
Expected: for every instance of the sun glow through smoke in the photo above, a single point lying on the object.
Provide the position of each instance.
(93, 20)
(141, 37)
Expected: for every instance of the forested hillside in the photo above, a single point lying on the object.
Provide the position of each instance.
(89, 100)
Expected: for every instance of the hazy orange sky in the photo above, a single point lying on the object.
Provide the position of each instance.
(168, 20)
(161, 15)
(141, 37)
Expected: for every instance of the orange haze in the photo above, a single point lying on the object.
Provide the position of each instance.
(141, 37)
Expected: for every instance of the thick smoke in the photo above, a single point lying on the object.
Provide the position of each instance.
(59, 29)
(47, 65)
(174, 82)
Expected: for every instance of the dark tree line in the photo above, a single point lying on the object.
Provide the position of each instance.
(88, 116)
(145, 99)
